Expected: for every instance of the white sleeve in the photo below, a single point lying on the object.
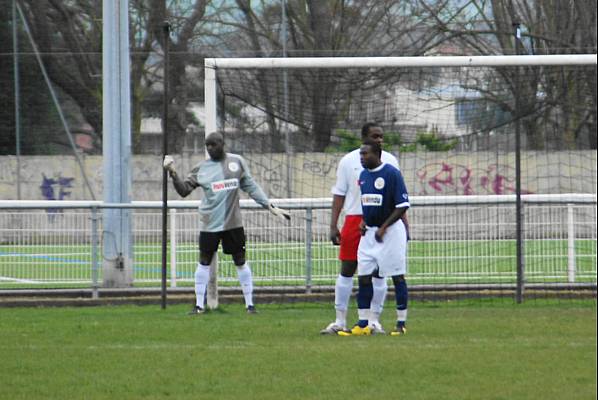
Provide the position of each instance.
(341, 187)
(248, 185)
(395, 163)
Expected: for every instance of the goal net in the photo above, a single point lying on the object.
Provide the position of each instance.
(452, 122)
(425, 111)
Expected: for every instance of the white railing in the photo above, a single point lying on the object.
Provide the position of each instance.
(455, 240)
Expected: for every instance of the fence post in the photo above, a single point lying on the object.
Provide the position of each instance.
(173, 246)
(571, 268)
(94, 252)
(308, 249)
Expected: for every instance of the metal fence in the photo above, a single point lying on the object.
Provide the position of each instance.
(455, 241)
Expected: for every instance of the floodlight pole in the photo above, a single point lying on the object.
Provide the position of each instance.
(518, 204)
(166, 68)
(117, 235)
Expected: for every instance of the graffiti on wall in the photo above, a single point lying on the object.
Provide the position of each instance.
(458, 179)
(320, 168)
(56, 188)
(312, 175)
(270, 177)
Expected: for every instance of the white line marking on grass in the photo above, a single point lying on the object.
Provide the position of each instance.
(9, 279)
(168, 346)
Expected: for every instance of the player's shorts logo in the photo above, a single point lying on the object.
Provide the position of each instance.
(379, 183)
(233, 166)
(374, 200)
(225, 185)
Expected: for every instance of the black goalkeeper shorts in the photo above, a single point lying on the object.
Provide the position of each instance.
(233, 241)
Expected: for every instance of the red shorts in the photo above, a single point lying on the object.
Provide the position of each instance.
(350, 236)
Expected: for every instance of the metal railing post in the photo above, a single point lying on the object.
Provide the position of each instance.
(308, 248)
(571, 268)
(94, 253)
(173, 246)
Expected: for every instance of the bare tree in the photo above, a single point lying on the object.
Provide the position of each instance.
(185, 23)
(69, 37)
(322, 28)
(60, 28)
(567, 99)
(68, 34)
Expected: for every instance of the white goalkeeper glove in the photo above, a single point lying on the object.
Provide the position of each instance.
(168, 163)
(279, 212)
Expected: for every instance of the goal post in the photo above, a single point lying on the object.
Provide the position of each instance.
(213, 64)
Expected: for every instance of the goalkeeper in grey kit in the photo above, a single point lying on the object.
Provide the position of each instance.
(221, 176)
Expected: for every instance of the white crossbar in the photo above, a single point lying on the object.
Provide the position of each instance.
(385, 62)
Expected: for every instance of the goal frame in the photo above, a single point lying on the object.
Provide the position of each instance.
(212, 64)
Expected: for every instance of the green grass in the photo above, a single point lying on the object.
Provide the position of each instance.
(481, 261)
(482, 350)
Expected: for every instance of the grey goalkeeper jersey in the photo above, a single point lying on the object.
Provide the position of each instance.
(221, 181)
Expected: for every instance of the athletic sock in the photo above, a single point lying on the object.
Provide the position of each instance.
(342, 294)
(402, 295)
(202, 276)
(341, 318)
(364, 316)
(246, 281)
(364, 300)
(401, 317)
(378, 298)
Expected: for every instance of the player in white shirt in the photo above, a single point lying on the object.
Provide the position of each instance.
(347, 197)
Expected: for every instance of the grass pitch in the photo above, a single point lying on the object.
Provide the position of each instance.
(482, 350)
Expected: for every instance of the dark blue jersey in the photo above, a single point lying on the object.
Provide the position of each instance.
(382, 191)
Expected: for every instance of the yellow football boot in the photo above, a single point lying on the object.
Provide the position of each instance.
(399, 331)
(356, 331)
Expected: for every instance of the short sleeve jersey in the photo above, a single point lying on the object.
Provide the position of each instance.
(382, 190)
(347, 179)
(221, 181)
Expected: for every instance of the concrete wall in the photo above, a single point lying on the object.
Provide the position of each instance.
(313, 174)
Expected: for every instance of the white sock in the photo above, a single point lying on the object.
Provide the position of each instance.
(342, 294)
(364, 314)
(202, 276)
(246, 281)
(380, 290)
(341, 318)
(402, 315)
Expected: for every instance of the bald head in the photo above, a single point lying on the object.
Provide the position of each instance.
(215, 145)
(215, 136)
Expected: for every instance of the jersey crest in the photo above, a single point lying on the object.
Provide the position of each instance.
(233, 166)
(379, 183)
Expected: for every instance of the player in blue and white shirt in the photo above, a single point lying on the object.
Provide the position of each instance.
(221, 177)
(347, 198)
(383, 246)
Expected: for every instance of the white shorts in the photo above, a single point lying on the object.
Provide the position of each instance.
(390, 256)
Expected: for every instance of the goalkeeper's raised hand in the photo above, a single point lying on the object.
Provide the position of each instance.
(279, 212)
(168, 164)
